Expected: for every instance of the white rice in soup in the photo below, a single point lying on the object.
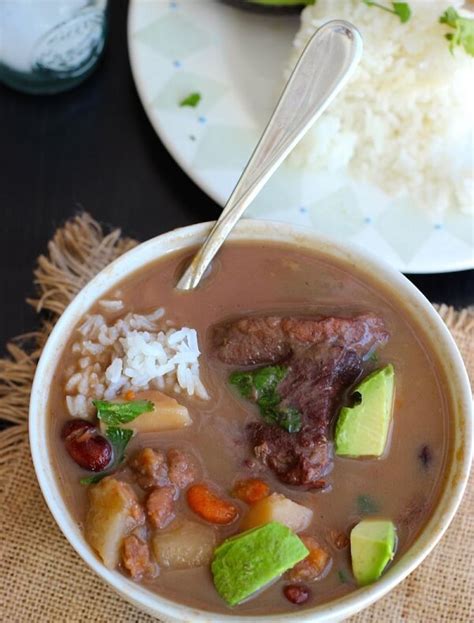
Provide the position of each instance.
(135, 352)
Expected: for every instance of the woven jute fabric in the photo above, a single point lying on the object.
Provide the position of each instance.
(41, 577)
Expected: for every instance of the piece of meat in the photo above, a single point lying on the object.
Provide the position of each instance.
(136, 558)
(151, 468)
(160, 506)
(324, 357)
(182, 470)
(313, 385)
(271, 339)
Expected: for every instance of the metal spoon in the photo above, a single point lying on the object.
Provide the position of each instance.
(323, 69)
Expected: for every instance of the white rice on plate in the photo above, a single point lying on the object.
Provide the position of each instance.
(405, 121)
(136, 352)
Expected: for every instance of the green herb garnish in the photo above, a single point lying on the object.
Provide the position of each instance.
(398, 8)
(192, 100)
(463, 34)
(261, 387)
(343, 576)
(119, 438)
(367, 505)
(115, 413)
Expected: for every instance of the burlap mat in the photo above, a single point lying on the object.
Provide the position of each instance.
(41, 577)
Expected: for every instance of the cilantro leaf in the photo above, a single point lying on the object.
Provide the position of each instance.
(366, 505)
(261, 387)
(243, 381)
(290, 419)
(267, 379)
(114, 413)
(192, 100)
(119, 438)
(463, 34)
(402, 9)
(343, 576)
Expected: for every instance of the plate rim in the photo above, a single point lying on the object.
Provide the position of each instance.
(464, 264)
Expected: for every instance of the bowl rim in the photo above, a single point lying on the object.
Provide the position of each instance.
(457, 471)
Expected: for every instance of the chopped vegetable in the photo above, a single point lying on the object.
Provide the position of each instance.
(251, 490)
(115, 413)
(372, 547)
(192, 100)
(261, 387)
(463, 34)
(210, 506)
(401, 9)
(277, 507)
(316, 563)
(362, 429)
(367, 505)
(166, 414)
(189, 545)
(113, 513)
(247, 562)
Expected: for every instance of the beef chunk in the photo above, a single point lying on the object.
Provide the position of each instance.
(182, 469)
(136, 557)
(271, 339)
(160, 506)
(324, 358)
(150, 468)
(313, 385)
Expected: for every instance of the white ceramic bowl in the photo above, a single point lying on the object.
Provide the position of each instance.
(415, 303)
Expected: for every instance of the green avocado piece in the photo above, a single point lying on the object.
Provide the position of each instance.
(372, 548)
(246, 562)
(362, 430)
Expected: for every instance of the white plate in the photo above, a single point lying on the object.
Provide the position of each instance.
(234, 59)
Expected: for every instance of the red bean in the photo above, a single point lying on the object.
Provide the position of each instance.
(86, 446)
(297, 594)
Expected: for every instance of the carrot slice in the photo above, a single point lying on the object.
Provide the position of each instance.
(210, 506)
(251, 490)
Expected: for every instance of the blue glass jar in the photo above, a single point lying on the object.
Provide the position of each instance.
(47, 46)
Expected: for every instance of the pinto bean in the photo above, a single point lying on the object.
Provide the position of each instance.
(86, 446)
(210, 506)
(340, 540)
(296, 593)
(160, 506)
(181, 468)
(150, 468)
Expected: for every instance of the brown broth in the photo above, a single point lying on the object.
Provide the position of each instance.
(261, 278)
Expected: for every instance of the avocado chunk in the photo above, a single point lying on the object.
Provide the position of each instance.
(362, 430)
(372, 548)
(248, 561)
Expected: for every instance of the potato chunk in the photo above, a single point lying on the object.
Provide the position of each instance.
(190, 544)
(168, 414)
(277, 507)
(114, 512)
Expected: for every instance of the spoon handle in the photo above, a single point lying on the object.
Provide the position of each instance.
(322, 70)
